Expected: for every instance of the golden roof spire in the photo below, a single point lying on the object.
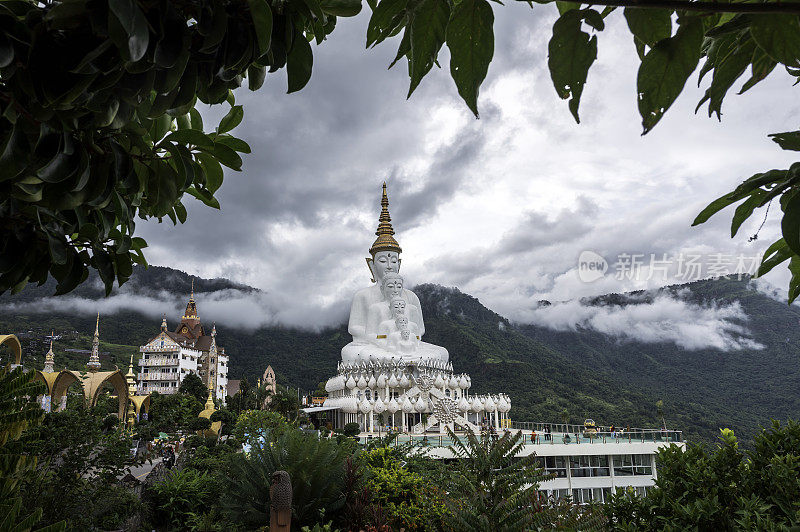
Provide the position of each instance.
(385, 232)
(50, 357)
(94, 358)
(191, 306)
(210, 401)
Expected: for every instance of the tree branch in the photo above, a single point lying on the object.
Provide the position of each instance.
(705, 7)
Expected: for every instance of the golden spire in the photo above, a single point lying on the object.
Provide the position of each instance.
(210, 401)
(385, 232)
(163, 322)
(50, 357)
(130, 377)
(191, 306)
(94, 358)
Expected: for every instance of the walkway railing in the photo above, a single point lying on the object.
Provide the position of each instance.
(553, 438)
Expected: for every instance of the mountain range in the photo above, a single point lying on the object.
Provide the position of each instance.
(546, 371)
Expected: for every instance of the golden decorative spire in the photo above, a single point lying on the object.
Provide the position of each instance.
(94, 358)
(163, 322)
(130, 377)
(210, 401)
(385, 232)
(50, 357)
(191, 306)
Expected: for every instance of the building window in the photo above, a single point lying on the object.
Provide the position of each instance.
(556, 465)
(589, 466)
(587, 495)
(632, 464)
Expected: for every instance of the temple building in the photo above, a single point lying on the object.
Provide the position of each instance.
(172, 355)
(388, 375)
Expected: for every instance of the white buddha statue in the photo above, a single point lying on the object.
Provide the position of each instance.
(371, 305)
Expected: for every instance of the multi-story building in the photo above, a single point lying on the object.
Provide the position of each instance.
(169, 357)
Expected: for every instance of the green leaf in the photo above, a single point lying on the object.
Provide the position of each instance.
(205, 196)
(225, 155)
(213, 171)
(789, 140)
(761, 65)
(189, 136)
(231, 120)
(790, 223)
(779, 36)
(379, 25)
(58, 248)
(571, 53)
(316, 9)
(428, 30)
(470, 38)
(180, 212)
(197, 120)
(298, 63)
(262, 23)
(730, 64)
(341, 8)
(794, 282)
(665, 69)
(776, 253)
(649, 25)
(234, 143)
(134, 24)
(255, 76)
(714, 207)
(744, 210)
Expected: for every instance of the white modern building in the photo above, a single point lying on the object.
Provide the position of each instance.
(169, 357)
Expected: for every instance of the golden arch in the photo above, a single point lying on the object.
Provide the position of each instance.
(92, 382)
(13, 343)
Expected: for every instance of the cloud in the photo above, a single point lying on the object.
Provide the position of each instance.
(232, 308)
(660, 319)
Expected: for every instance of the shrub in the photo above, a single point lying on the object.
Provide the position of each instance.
(316, 469)
(351, 430)
(182, 493)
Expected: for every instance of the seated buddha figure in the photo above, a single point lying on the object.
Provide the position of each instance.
(371, 305)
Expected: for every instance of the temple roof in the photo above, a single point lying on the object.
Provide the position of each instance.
(190, 331)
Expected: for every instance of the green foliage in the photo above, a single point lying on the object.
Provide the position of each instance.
(80, 460)
(183, 493)
(722, 489)
(200, 423)
(226, 417)
(494, 489)
(253, 424)
(194, 386)
(410, 500)
(285, 403)
(17, 466)
(168, 413)
(351, 429)
(316, 468)
(98, 123)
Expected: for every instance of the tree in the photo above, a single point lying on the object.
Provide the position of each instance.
(98, 124)
(285, 403)
(493, 489)
(720, 489)
(194, 386)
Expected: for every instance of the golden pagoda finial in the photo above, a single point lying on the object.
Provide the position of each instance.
(385, 232)
(210, 401)
(94, 358)
(191, 307)
(163, 322)
(49, 358)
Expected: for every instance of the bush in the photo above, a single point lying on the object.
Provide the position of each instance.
(199, 424)
(351, 429)
(112, 505)
(182, 493)
(316, 469)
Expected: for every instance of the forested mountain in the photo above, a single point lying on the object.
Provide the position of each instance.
(586, 373)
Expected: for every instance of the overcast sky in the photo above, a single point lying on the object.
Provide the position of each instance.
(499, 207)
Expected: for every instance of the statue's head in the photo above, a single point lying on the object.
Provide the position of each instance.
(383, 262)
(397, 305)
(391, 285)
(401, 322)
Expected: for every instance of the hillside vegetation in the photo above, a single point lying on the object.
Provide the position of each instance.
(545, 372)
